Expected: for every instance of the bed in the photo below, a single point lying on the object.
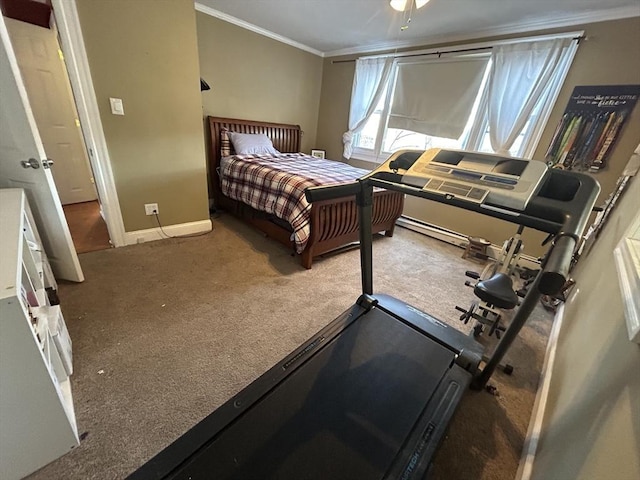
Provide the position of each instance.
(331, 224)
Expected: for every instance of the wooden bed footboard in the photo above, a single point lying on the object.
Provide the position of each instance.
(335, 223)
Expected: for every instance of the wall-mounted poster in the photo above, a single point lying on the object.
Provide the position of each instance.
(590, 126)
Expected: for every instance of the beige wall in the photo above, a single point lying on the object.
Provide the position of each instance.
(145, 52)
(333, 119)
(256, 78)
(591, 425)
(609, 55)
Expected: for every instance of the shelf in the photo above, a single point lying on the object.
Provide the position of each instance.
(36, 403)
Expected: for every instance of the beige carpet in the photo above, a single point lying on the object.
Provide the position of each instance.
(165, 332)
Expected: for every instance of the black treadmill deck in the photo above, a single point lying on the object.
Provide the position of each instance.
(366, 398)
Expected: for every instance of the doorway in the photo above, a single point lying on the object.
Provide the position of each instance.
(88, 229)
(46, 79)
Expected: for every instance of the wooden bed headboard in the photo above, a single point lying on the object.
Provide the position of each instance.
(286, 139)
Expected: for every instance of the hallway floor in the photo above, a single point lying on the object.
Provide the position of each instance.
(88, 230)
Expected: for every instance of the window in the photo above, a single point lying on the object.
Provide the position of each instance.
(378, 139)
(367, 137)
(522, 145)
(383, 133)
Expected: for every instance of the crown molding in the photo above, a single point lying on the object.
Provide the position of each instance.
(578, 19)
(254, 28)
(558, 22)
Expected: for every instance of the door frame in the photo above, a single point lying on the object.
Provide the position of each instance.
(75, 57)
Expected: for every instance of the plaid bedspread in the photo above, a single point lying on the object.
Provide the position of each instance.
(276, 183)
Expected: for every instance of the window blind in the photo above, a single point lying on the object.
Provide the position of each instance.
(436, 97)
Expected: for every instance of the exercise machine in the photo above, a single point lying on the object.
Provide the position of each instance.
(494, 289)
(370, 395)
(495, 293)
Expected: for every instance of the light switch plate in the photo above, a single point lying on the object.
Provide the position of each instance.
(116, 106)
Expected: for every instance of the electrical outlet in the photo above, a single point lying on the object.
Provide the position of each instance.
(151, 209)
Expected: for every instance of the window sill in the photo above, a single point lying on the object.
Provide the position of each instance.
(372, 159)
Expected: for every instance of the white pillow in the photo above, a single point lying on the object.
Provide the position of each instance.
(251, 143)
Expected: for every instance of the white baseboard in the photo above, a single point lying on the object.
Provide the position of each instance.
(459, 240)
(530, 448)
(448, 236)
(151, 234)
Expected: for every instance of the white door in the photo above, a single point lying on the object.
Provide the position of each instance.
(47, 83)
(20, 142)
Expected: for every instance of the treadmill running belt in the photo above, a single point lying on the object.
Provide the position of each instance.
(345, 415)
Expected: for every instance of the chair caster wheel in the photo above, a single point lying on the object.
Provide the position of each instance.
(508, 369)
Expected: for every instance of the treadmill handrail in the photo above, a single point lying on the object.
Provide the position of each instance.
(564, 218)
(332, 192)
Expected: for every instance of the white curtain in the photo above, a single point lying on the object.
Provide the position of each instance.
(518, 79)
(369, 82)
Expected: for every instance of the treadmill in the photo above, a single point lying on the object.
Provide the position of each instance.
(370, 395)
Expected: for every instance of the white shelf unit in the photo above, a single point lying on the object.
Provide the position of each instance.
(37, 419)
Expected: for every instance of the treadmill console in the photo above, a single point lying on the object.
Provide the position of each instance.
(482, 178)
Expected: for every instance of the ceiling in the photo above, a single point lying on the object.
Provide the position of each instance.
(338, 27)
